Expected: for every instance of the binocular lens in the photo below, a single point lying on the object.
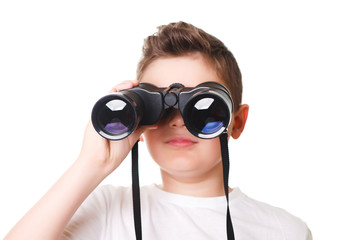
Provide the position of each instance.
(208, 116)
(206, 109)
(116, 118)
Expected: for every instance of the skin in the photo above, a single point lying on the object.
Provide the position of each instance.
(188, 165)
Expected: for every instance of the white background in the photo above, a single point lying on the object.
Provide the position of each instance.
(300, 63)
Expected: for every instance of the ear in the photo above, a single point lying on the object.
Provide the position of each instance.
(240, 117)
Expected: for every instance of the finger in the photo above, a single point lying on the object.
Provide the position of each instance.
(124, 85)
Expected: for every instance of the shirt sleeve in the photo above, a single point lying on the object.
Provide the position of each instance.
(293, 227)
(89, 220)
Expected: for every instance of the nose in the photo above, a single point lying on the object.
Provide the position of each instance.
(175, 119)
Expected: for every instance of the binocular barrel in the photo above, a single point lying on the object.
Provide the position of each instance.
(206, 109)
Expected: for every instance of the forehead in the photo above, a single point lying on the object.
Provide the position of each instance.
(189, 70)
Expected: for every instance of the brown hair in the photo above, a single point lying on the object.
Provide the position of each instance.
(178, 39)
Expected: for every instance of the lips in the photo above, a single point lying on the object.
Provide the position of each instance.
(180, 142)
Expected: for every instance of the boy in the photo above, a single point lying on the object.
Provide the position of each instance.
(190, 203)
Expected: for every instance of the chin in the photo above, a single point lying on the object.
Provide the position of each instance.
(180, 163)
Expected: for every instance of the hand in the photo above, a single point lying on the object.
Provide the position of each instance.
(104, 154)
(97, 159)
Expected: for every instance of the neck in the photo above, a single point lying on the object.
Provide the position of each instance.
(209, 184)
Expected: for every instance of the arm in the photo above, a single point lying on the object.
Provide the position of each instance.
(97, 159)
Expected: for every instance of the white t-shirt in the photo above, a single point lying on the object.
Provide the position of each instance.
(108, 214)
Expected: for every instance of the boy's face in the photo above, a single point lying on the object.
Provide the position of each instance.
(172, 146)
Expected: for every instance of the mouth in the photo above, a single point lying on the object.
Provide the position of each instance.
(180, 142)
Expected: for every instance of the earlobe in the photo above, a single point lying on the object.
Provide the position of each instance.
(240, 117)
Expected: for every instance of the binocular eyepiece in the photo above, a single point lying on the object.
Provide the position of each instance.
(206, 109)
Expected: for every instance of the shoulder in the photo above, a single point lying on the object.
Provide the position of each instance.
(105, 198)
(107, 193)
(111, 191)
(279, 221)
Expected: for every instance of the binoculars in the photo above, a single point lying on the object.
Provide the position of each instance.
(206, 109)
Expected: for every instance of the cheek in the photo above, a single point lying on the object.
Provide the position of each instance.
(231, 125)
(211, 149)
(152, 140)
(212, 145)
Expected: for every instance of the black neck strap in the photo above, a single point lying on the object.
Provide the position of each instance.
(136, 188)
(136, 191)
(226, 168)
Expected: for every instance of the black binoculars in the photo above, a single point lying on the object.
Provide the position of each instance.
(206, 109)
